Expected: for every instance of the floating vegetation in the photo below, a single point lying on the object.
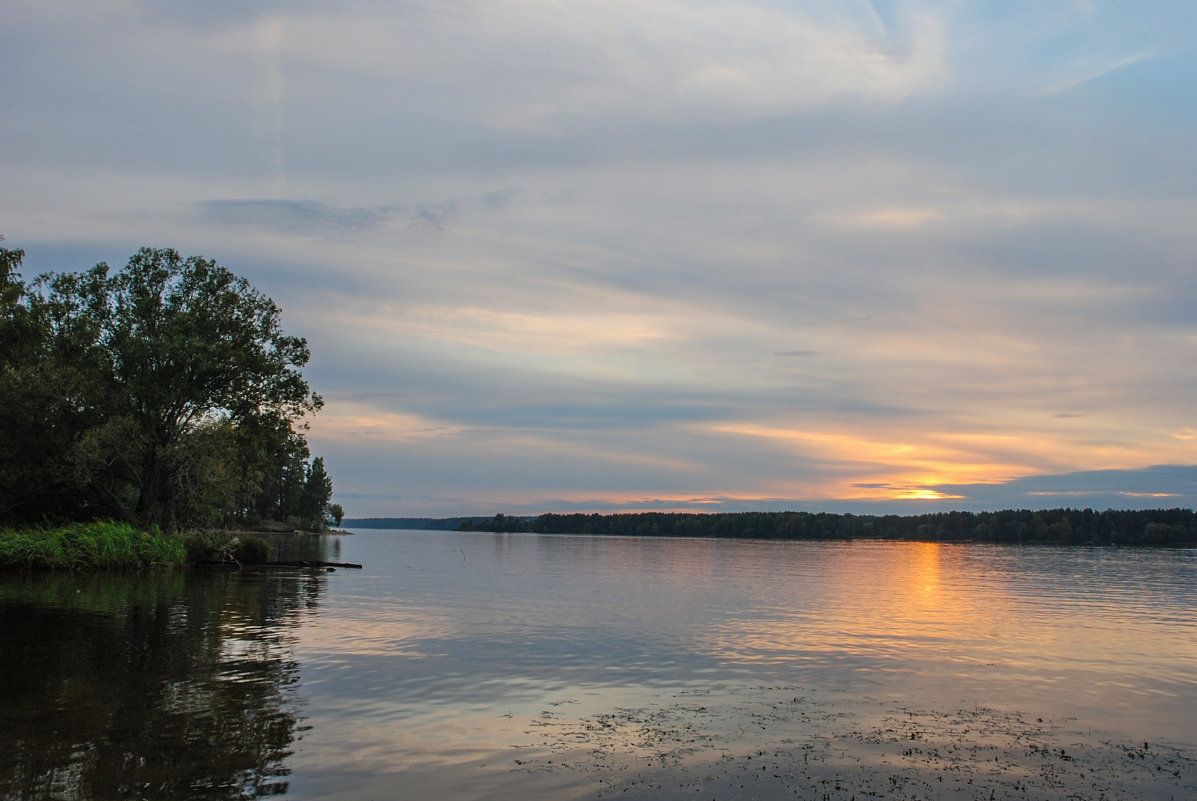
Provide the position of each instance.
(775, 743)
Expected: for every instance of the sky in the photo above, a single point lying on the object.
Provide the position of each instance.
(604, 255)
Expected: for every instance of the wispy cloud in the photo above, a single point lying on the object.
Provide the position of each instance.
(1159, 486)
(312, 218)
(270, 97)
(1085, 72)
(657, 254)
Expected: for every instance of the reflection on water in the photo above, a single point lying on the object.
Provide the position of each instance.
(166, 685)
(478, 666)
(486, 663)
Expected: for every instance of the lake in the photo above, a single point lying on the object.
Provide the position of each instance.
(492, 666)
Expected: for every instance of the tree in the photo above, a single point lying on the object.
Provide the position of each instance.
(190, 340)
(12, 289)
(41, 410)
(317, 490)
(152, 389)
(271, 457)
(15, 355)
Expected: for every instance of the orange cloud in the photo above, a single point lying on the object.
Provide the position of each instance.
(885, 469)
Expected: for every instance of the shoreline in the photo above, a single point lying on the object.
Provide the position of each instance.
(99, 545)
(110, 546)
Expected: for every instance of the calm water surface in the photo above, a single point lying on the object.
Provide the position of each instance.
(480, 666)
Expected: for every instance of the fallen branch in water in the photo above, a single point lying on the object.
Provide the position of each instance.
(299, 563)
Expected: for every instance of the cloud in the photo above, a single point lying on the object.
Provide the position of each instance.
(312, 218)
(1159, 486)
(270, 99)
(667, 252)
(292, 216)
(1088, 72)
(592, 58)
(889, 219)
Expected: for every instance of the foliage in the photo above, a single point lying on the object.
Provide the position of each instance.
(226, 547)
(101, 545)
(420, 523)
(1057, 526)
(164, 394)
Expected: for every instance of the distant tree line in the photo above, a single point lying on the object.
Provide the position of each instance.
(164, 394)
(416, 523)
(504, 523)
(1060, 526)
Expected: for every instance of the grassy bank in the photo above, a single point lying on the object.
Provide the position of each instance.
(89, 546)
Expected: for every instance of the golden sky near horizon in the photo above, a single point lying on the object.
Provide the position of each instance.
(893, 256)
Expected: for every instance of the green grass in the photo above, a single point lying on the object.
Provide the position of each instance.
(90, 546)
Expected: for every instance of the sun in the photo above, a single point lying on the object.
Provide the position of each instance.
(919, 494)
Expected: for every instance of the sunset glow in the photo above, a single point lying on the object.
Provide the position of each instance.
(718, 257)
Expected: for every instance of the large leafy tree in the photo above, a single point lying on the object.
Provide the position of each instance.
(190, 340)
(34, 408)
(154, 389)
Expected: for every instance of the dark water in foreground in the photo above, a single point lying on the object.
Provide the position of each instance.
(477, 666)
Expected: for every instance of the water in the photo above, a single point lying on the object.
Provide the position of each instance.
(477, 666)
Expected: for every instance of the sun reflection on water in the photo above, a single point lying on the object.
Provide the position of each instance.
(482, 666)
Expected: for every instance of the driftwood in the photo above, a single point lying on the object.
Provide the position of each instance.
(299, 563)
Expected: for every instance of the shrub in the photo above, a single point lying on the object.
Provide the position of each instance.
(225, 547)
